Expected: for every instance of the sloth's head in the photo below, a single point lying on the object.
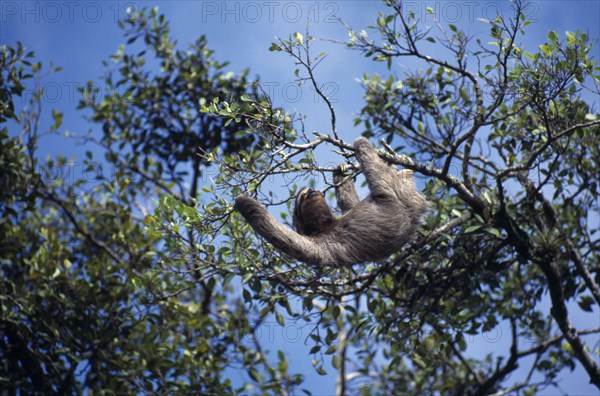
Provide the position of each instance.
(312, 215)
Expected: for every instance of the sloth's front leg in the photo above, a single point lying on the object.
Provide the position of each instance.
(345, 192)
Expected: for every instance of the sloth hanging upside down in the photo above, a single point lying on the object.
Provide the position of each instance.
(368, 230)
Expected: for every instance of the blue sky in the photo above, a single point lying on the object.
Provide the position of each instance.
(79, 35)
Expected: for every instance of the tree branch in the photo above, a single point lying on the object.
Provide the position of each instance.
(96, 242)
(585, 274)
(560, 313)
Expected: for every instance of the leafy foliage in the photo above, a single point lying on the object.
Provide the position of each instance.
(96, 296)
(147, 281)
(511, 153)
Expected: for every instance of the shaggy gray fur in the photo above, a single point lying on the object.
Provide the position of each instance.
(368, 230)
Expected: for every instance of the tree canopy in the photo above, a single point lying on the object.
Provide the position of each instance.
(143, 279)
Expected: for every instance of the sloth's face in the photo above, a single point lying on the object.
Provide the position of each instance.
(308, 195)
(312, 215)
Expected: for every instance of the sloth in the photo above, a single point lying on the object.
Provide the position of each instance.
(368, 230)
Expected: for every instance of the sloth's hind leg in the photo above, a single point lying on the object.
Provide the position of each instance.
(379, 175)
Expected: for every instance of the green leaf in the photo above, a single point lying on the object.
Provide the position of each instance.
(531, 56)
(335, 311)
(254, 374)
(494, 231)
(58, 117)
(246, 295)
(472, 229)
(298, 36)
(275, 47)
(419, 361)
(586, 303)
(279, 319)
(335, 361)
(460, 341)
